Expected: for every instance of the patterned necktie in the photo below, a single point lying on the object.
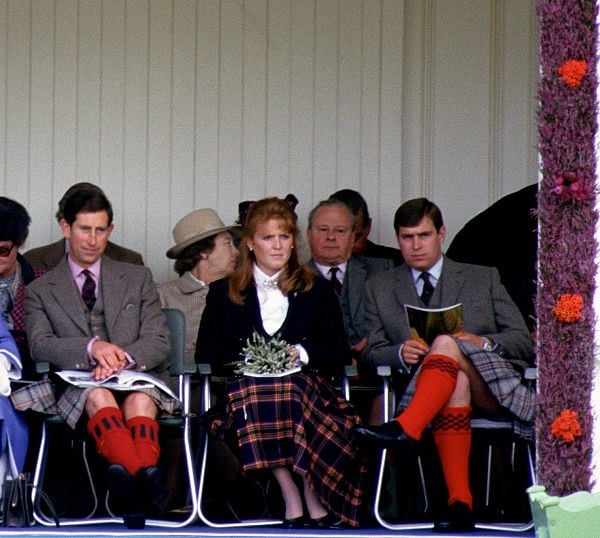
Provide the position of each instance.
(427, 288)
(88, 291)
(335, 283)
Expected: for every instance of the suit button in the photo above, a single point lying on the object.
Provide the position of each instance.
(143, 367)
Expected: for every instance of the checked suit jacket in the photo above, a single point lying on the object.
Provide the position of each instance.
(488, 310)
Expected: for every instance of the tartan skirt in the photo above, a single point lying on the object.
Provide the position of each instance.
(504, 382)
(297, 421)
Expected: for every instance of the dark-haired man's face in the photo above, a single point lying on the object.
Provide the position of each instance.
(421, 245)
(87, 237)
(362, 229)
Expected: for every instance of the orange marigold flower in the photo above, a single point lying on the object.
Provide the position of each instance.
(568, 308)
(572, 72)
(566, 426)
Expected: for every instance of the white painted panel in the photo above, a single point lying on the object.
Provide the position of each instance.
(254, 117)
(302, 98)
(349, 95)
(88, 30)
(17, 109)
(41, 124)
(206, 151)
(64, 93)
(392, 146)
(135, 125)
(184, 79)
(278, 94)
(160, 103)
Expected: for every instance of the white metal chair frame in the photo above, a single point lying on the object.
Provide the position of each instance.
(385, 373)
(183, 372)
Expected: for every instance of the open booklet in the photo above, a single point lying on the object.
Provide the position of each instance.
(427, 323)
(123, 380)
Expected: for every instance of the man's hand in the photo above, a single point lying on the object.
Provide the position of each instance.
(109, 359)
(413, 351)
(358, 349)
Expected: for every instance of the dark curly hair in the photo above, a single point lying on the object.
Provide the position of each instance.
(14, 221)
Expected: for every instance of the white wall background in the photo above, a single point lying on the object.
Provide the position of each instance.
(172, 105)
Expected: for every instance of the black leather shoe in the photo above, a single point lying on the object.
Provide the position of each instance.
(125, 497)
(295, 523)
(328, 521)
(459, 519)
(388, 432)
(152, 488)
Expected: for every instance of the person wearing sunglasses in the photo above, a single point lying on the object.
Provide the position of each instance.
(15, 274)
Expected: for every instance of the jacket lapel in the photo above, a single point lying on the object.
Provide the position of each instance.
(66, 294)
(451, 282)
(111, 278)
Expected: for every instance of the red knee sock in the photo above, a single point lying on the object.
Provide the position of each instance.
(452, 436)
(144, 432)
(434, 386)
(113, 440)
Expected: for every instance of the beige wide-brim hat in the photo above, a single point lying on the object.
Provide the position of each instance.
(195, 226)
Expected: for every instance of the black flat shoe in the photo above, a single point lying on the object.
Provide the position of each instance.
(295, 523)
(328, 521)
(386, 433)
(124, 494)
(459, 519)
(152, 489)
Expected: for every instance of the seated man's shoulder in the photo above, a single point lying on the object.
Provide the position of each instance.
(123, 254)
(374, 265)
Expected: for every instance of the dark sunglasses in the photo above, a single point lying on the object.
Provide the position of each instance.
(5, 251)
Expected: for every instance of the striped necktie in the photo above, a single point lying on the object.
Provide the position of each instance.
(427, 288)
(88, 291)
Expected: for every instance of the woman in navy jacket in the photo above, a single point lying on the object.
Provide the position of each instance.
(292, 424)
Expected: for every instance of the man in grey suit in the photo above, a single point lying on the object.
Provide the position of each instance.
(330, 236)
(455, 372)
(94, 314)
(48, 256)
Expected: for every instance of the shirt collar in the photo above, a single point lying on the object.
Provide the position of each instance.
(76, 269)
(324, 269)
(260, 278)
(435, 271)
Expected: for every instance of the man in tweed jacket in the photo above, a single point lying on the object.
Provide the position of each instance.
(454, 373)
(96, 314)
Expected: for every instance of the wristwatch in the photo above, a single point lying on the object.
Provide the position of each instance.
(488, 343)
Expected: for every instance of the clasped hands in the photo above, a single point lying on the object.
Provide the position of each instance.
(413, 350)
(109, 359)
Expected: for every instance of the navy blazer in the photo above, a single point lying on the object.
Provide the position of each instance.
(314, 320)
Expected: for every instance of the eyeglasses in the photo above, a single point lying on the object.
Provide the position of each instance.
(5, 251)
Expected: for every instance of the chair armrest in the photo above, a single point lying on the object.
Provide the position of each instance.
(204, 368)
(42, 367)
(350, 370)
(384, 371)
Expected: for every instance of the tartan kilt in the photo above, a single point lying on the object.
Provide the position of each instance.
(297, 421)
(46, 397)
(504, 382)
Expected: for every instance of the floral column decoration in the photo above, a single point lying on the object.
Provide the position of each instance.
(567, 250)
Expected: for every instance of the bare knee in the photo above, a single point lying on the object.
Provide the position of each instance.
(99, 398)
(446, 345)
(461, 396)
(139, 404)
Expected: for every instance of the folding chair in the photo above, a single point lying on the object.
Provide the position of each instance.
(178, 368)
(490, 429)
(265, 518)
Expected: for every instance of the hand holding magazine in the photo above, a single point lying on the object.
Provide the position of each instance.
(123, 380)
(427, 323)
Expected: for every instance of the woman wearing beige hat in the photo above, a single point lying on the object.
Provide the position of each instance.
(204, 252)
